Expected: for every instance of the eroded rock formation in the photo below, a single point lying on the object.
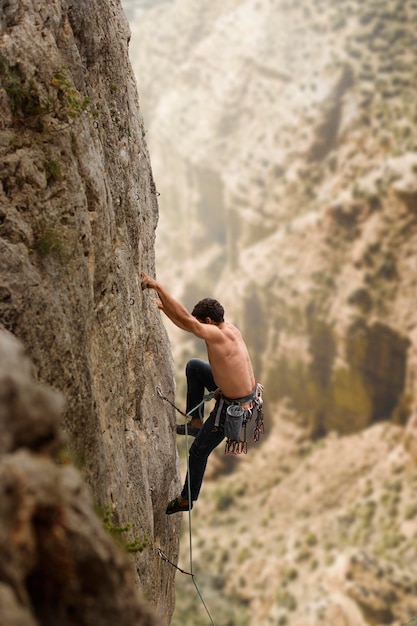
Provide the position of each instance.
(58, 564)
(78, 214)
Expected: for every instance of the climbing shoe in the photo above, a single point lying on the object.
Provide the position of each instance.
(191, 430)
(175, 507)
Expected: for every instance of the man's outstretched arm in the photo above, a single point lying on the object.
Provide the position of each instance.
(173, 309)
(179, 315)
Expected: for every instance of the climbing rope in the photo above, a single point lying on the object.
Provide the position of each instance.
(161, 554)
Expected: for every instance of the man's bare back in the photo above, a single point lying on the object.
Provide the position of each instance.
(230, 362)
(226, 350)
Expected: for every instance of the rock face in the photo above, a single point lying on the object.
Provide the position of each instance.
(57, 562)
(78, 214)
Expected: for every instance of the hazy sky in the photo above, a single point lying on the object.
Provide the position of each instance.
(130, 6)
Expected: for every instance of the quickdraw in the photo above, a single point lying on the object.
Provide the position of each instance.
(165, 558)
(236, 447)
(259, 422)
(207, 397)
(161, 395)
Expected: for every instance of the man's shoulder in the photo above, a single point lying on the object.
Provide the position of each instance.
(230, 331)
(229, 327)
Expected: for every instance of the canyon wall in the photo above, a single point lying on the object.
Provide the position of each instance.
(78, 214)
(283, 142)
(58, 563)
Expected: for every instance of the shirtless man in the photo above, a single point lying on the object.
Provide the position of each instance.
(229, 370)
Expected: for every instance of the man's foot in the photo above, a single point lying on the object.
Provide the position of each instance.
(177, 505)
(191, 430)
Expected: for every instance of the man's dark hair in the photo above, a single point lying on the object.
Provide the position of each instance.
(209, 308)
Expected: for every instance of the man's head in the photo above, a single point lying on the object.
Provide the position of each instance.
(209, 308)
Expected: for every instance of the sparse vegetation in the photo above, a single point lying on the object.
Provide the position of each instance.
(243, 555)
(23, 98)
(286, 600)
(28, 106)
(53, 170)
(72, 102)
(118, 532)
(48, 241)
(223, 499)
(410, 511)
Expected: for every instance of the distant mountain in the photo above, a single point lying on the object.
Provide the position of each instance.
(283, 141)
(131, 6)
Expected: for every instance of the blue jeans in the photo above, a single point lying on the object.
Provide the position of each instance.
(199, 378)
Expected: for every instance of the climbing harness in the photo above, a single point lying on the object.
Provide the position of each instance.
(237, 418)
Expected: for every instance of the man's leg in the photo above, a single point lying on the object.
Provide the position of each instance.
(204, 444)
(199, 378)
(207, 440)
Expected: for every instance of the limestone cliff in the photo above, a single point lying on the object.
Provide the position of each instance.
(78, 213)
(58, 564)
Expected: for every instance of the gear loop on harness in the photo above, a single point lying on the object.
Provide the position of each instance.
(238, 444)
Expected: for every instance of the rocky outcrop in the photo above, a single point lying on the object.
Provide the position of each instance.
(78, 214)
(57, 561)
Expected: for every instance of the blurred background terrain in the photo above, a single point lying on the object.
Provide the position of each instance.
(283, 142)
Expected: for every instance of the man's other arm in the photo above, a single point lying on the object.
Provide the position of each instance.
(177, 313)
